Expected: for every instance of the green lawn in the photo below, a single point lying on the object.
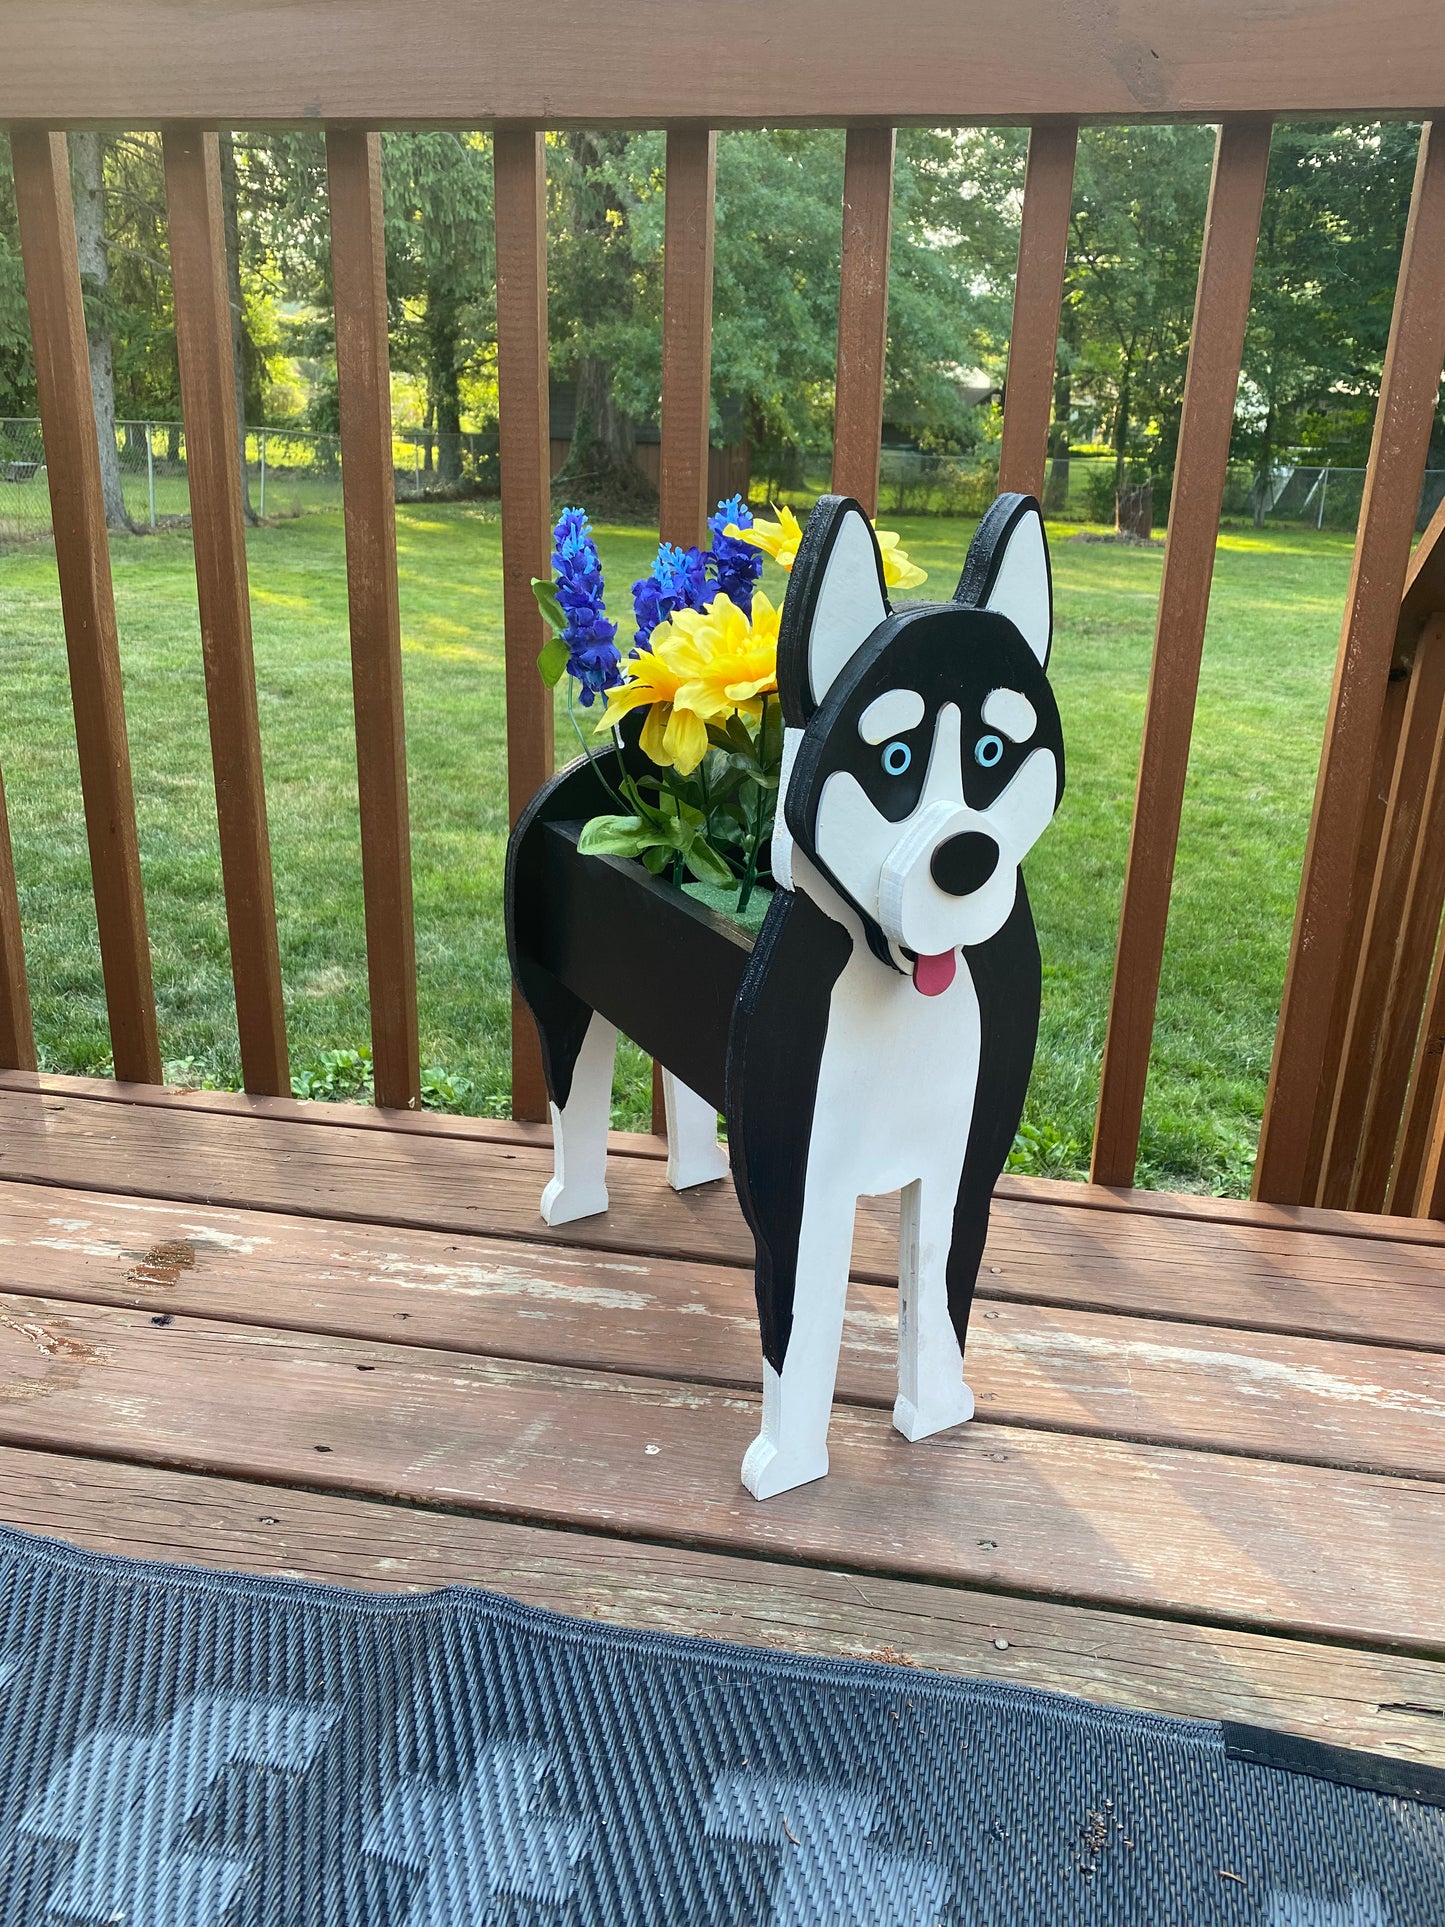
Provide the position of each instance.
(1266, 676)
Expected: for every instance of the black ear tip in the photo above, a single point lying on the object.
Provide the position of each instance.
(832, 508)
(990, 539)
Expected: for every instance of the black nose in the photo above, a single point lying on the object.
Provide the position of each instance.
(964, 863)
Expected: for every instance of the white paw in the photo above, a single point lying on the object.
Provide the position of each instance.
(767, 1471)
(565, 1203)
(921, 1422)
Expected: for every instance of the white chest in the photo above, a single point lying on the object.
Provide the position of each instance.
(898, 1077)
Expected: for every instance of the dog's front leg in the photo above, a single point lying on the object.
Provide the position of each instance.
(792, 1447)
(579, 1131)
(931, 1392)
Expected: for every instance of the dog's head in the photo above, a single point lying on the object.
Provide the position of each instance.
(924, 754)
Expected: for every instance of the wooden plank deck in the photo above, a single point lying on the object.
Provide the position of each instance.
(1207, 1476)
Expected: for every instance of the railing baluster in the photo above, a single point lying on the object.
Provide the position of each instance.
(1367, 858)
(1427, 1082)
(1404, 998)
(358, 274)
(1393, 903)
(519, 158)
(1430, 1202)
(683, 504)
(1038, 295)
(863, 313)
(1221, 311)
(17, 1032)
(1398, 451)
(72, 456)
(208, 403)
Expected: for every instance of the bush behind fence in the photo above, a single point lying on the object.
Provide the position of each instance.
(294, 471)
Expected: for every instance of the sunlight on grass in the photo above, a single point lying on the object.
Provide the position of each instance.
(1263, 691)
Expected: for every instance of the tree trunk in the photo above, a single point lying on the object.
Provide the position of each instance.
(1056, 489)
(231, 225)
(1266, 463)
(1121, 430)
(426, 459)
(88, 181)
(601, 468)
(1134, 510)
(444, 374)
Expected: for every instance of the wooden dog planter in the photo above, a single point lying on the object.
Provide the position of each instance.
(879, 1033)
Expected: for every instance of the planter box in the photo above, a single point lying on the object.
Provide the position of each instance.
(878, 1033)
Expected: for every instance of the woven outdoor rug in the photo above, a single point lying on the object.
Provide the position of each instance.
(185, 1749)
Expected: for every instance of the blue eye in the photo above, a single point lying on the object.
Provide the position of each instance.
(987, 751)
(896, 758)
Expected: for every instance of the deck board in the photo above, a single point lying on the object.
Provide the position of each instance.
(1390, 1702)
(1303, 1549)
(1363, 1406)
(1196, 1271)
(1207, 1475)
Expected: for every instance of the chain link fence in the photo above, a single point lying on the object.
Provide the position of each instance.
(1079, 488)
(289, 472)
(295, 471)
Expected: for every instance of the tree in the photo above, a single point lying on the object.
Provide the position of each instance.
(604, 247)
(88, 181)
(1329, 247)
(775, 282)
(17, 372)
(441, 269)
(1135, 235)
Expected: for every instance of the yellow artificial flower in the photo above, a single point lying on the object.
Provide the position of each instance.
(674, 735)
(778, 539)
(730, 663)
(898, 571)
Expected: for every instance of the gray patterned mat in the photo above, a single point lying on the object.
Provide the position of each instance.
(181, 1749)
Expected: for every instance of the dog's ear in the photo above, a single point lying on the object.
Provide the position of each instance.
(835, 601)
(1008, 571)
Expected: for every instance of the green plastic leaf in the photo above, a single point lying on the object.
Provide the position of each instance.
(616, 836)
(552, 662)
(705, 863)
(547, 602)
(660, 819)
(657, 859)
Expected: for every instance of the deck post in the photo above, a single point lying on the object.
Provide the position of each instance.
(863, 313)
(1038, 296)
(208, 402)
(687, 256)
(1221, 313)
(524, 432)
(358, 264)
(82, 554)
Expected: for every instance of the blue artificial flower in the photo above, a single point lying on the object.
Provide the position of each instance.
(736, 565)
(593, 658)
(678, 581)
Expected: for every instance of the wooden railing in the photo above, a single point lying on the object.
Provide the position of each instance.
(1356, 1107)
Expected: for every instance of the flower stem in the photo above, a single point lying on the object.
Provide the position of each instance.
(587, 752)
(755, 847)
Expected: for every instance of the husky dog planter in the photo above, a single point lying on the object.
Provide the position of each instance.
(879, 1034)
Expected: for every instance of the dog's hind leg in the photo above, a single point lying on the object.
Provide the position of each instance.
(792, 1447)
(931, 1393)
(579, 1131)
(694, 1155)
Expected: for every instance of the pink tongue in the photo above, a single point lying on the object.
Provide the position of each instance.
(933, 975)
